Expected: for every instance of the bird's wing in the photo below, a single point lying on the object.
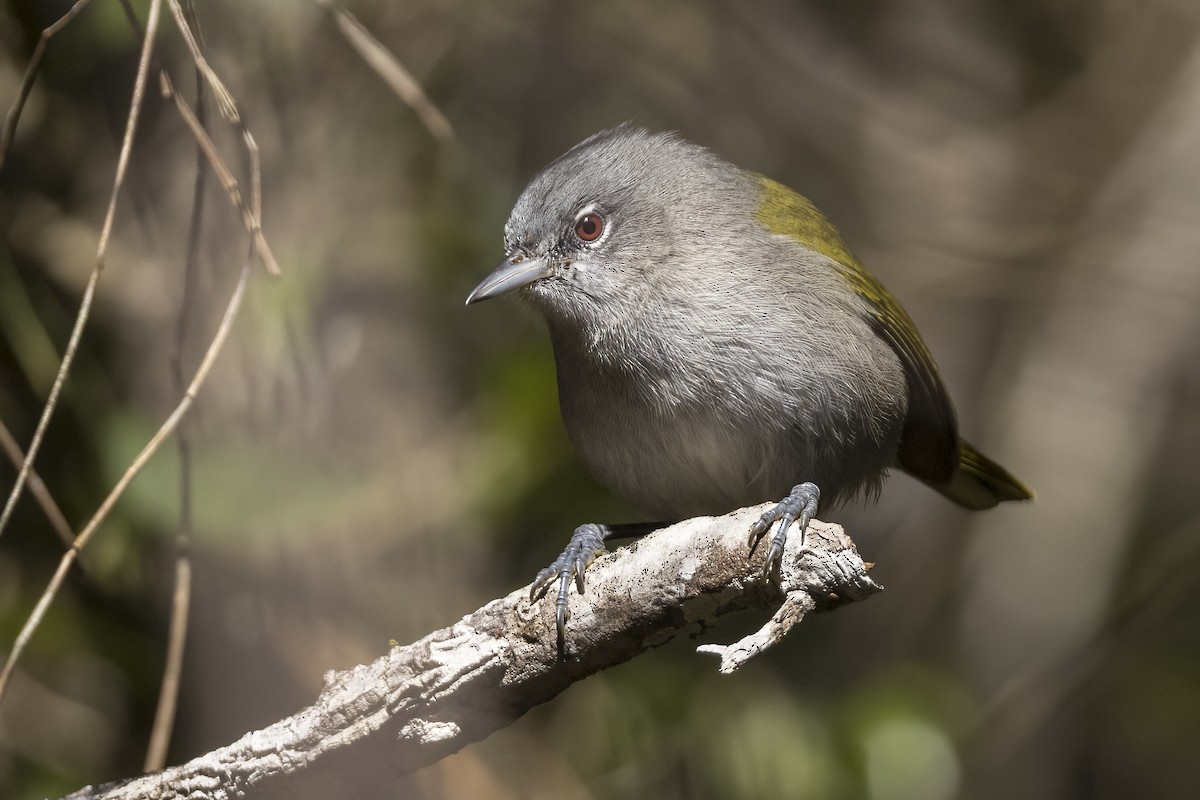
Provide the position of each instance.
(929, 446)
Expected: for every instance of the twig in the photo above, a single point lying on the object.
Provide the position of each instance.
(168, 696)
(252, 216)
(250, 213)
(734, 656)
(89, 293)
(388, 67)
(37, 487)
(131, 472)
(31, 70)
(428, 699)
(225, 102)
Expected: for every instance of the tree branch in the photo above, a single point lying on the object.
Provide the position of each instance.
(426, 700)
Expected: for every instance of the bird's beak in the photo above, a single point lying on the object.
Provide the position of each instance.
(510, 275)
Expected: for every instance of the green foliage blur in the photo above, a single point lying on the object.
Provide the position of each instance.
(371, 460)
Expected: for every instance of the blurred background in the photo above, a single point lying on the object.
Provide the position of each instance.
(372, 460)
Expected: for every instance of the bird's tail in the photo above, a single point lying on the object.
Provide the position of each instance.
(981, 483)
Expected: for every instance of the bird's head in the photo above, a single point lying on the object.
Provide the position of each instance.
(602, 226)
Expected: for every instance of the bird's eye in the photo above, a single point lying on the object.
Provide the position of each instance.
(589, 227)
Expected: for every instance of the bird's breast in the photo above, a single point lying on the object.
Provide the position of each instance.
(673, 440)
(706, 412)
(673, 464)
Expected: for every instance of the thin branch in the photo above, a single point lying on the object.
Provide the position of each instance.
(31, 71)
(168, 427)
(250, 213)
(37, 487)
(252, 217)
(394, 74)
(168, 693)
(168, 697)
(89, 293)
(428, 699)
(225, 102)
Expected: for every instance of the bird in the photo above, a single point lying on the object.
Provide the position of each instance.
(717, 345)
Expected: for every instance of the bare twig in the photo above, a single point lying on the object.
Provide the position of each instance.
(168, 693)
(225, 102)
(168, 696)
(394, 74)
(89, 293)
(250, 215)
(168, 427)
(795, 607)
(31, 70)
(428, 699)
(37, 487)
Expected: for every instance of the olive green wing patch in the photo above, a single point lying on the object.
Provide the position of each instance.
(791, 214)
(929, 444)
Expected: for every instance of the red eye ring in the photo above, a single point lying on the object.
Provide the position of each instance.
(589, 227)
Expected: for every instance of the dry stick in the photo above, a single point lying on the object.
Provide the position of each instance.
(36, 487)
(89, 293)
(168, 693)
(168, 696)
(423, 701)
(252, 216)
(225, 102)
(35, 63)
(388, 67)
(131, 472)
(164, 716)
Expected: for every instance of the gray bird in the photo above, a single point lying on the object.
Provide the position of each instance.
(717, 346)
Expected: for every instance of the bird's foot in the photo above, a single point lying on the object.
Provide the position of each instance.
(799, 506)
(587, 543)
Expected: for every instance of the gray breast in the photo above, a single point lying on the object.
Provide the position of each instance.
(679, 440)
(729, 388)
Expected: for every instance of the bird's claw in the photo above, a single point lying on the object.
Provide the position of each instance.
(586, 544)
(799, 506)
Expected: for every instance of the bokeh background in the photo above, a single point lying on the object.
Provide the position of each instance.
(372, 460)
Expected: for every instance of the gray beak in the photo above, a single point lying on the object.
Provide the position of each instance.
(508, 276)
